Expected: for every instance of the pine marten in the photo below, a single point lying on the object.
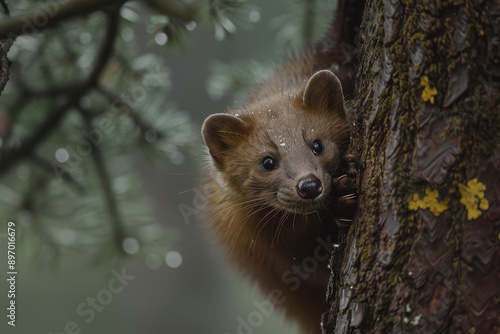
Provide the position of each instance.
(279, 178)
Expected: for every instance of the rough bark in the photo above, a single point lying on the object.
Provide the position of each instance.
(423, 255)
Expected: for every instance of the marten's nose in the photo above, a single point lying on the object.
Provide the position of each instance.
(309, 187)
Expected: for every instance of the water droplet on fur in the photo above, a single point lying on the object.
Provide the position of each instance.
(237, 115)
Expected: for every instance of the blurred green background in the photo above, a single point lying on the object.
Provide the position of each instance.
(176, 279)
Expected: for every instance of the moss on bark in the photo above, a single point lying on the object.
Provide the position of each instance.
(427, 125)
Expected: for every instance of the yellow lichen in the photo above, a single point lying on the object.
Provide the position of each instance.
(428, 93)
(472, 197)
(429, 201)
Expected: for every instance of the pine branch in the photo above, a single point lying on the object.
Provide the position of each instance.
(116, 99)
(20, 25)
(28, 203)
(49, 169)
(6, 44)
(53, 90)
(4, 67)
(173, 9)
(6, 10)
(48, 91)
(106, 49)
(12, 156)
(106, 183)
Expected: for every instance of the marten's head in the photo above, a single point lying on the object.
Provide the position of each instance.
(282, 151)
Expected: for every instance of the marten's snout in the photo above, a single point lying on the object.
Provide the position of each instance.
(309, 187)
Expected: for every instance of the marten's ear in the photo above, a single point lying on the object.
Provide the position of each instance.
(221, 133)
(324, 91)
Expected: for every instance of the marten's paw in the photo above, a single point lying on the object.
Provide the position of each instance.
(345, 190)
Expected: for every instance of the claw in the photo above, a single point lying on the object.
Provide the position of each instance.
(344, 191)
(351, 165)
(343, 185)
(352, 196)
(343, 221)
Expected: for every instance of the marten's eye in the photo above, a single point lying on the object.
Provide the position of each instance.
(317, 147)
(269, 163)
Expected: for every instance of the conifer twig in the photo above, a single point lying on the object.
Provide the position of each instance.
(119, 102)
(6, 44)
(12, 156)
(30, 22)
(47, 167)
(106, 183)
(5, 7)
(173, 9)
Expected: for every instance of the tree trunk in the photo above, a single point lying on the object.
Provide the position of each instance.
(423, 255)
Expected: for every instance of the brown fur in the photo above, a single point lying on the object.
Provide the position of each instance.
(264, 236)
(269, 230)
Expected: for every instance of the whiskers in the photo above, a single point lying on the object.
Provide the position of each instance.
(257, 216)
(235, 215)
(289, 202)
